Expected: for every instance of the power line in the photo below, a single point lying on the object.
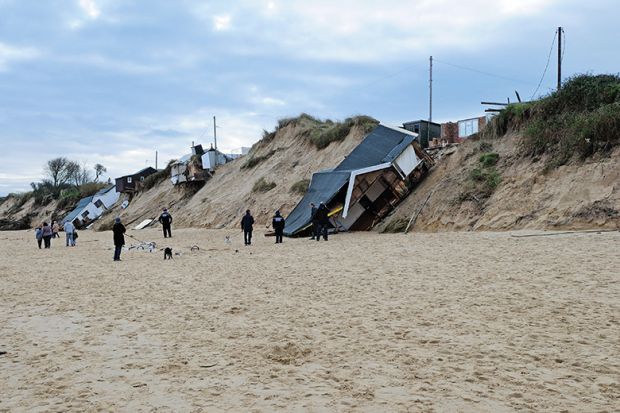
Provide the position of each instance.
(471, 69)
(546, 66)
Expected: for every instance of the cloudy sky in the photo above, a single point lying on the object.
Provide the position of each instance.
(111, 81)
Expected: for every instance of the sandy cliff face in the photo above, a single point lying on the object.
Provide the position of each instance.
(578, 195)
(289, 158)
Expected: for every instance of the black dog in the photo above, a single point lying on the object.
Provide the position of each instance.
(168, 253)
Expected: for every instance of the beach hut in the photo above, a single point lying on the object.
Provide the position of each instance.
(359, 192)
(131, 183)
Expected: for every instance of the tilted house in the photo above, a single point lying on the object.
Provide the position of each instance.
(82, 213)
(105, 198)
(367, 185)
(131, 183)
(197, 166)
(189, 167)
(92, 207)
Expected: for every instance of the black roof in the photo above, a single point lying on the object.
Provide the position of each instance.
(381, 145)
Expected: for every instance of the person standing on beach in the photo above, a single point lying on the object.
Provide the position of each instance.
(38, 234)
(165, 219)
(315, 224)
(46, 233)
(69, 230)
(55, 229)
(278, 224)
(118, 230)
(322, 218)
(247, 223)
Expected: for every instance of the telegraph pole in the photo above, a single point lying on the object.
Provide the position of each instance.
(560, 31)
(155, 159)
(214, 134)
(430, 102)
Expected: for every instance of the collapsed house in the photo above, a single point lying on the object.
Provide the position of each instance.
(379, 173)
(92, 207)
(198, 165)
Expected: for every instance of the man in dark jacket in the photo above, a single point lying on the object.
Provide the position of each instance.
(165, 219)
(322, 219)
(278, 225)
(119, 238)
(315, 224)
(246, 226)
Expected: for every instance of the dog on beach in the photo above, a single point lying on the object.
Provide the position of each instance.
(168, 253)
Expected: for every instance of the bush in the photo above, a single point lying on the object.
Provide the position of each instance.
(319, 133)
(158, 177)
(90, 188)
(579, 120)
(488, 159)
(263, 185)
(255, 160)
(300, 187)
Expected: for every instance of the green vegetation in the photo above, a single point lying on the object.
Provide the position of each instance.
(300, 187)
(158, 177)
(262, 185)
(321, 132)
(488, 159)
(324, 133)
(581, 119)
(483, 179)
(254, 160)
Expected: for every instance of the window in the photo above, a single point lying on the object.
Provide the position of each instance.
(99, 204)
(468, 127)
(85, 214)
(141, 179)
(129, 179)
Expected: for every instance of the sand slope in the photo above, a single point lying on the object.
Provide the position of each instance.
(226, 196)
(575, 196)
(364, 322)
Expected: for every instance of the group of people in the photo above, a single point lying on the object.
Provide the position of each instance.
(247, 226)
(119, 230)
(319, 215)
(44, 234)
(320, 221)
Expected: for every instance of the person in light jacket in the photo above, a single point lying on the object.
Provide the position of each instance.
(38, 234)
(69, 229)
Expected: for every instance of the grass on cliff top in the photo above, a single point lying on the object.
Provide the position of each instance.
(579, 120)
(321, 133)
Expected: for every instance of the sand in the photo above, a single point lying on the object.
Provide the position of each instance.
(480, 322)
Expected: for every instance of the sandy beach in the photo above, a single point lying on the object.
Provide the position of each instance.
(471, 322)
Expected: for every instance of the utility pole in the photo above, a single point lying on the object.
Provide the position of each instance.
(560, 31)
(155, 159)
(214, 134)
(430, 102)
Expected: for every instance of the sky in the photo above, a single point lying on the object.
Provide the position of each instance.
(113, 81)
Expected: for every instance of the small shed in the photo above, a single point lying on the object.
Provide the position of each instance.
(131, 183)
(427, 131)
